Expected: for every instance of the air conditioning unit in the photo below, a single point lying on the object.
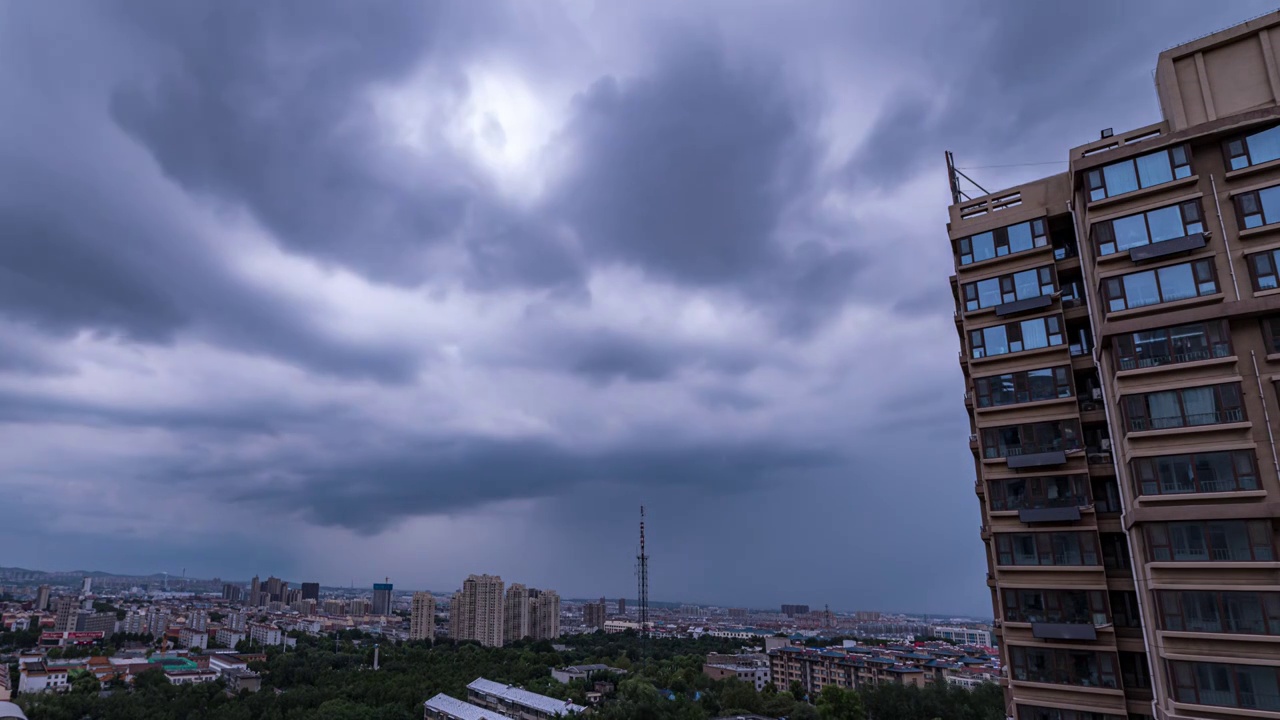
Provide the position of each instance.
(973, 437)
(1097, 393)
(1106, 444)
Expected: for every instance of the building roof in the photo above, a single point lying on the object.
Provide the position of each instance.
(520, 696)
(9, 710)
(462, 710)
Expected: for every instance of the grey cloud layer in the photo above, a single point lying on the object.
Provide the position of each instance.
(155, 143)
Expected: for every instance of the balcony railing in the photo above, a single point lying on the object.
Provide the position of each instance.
(1217, 417)
(1030, 449)
(1219, 350)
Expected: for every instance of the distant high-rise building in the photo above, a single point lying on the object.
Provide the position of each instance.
(794, 610)
(358, 606)
(104, 622)
(333, 606)
(422, 616)
(255, 592)
(42, 598)
(382, 598)
(198, 620)
(68, 610)
(310, 591)
(86, 585)
(292, 595)
(232, 593)
(737, 613)
(276, 589)
(477, 611)
(622, 606)
(544, 615)
(593, 615)
(515, 610)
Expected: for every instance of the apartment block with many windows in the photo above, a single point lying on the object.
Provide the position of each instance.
(1120, 332)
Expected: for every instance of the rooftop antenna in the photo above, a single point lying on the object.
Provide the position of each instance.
(642, 582)
(953, 177)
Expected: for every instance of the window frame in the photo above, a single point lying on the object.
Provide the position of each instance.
(1102, 234)
(984, 393)
(1059, 665)
(1007, 288)
(1271, 258)
(1229, 155)
(1254, 198)
(1182, 670)
(1166, 610)
(1160, 536)
(1203, 271)
(1099, 173)
(1012, 337)
(1052, 605)
(1146, 470)
(1215, 333)
(1036, 495)
(1038, 227)
(1031, 434)
(1046, 547)
(1271, 333)
(1140, 418)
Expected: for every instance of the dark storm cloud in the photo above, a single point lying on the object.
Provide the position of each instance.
(691, 171)
(271, 107)
(442, 476)
(601, 355)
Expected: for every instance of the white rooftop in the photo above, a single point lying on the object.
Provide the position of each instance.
(9, 710)
(523, 697)
(461, 710)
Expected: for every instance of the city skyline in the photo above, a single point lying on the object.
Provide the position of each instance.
(449, 283)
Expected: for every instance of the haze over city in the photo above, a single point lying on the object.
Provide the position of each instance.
(418, 290)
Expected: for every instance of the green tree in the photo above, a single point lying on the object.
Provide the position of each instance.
(836, 703)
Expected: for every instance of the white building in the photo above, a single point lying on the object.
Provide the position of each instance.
(518, 703)
(964, 635)
(444, 707)
(264, 634)
(193, 638)
(228, 637)
(37, 677)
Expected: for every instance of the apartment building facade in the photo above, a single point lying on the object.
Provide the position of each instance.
(1120, 333)
(477, 611)
(422, 616)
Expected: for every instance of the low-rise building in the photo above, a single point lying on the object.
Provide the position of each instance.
(38, 677)
(582, 672)
(242, 680)
(445, 707)
(264, 634)
(750, 668)
(518, 703)
(193, 638)
(228, 637)
(191, 677)
(964, 635)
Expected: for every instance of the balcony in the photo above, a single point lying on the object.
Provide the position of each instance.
(1217, 417)
(1030, 457)
(1025, 305)
(1064, 631)
(1165, 248)
(1219, 350)
(1049, 514)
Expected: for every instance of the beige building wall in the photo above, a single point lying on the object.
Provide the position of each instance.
(422, 616)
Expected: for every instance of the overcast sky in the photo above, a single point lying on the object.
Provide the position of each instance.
(341, 291)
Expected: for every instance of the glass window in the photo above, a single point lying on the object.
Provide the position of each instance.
(1219, 611)
(1143, 171)
(1031, 438)
(1016, 337)
(1170, 346)
(1211, 541)
(1271, 331)
(1185, 407)
(1167, 284)
(1081, 607)
(1022, 387)
(1254, 149)
(1008, 288)
(1226, 471)
(1262, 268)
(1036, 712)
(1026, 493)
(1152, 226)
(1258, 207)
(1084, 668)
(1253, 687)
(1047, 548)
(1002, 241)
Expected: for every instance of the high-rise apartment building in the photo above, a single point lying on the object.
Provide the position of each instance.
(476, 612)
(422, 616)
(42, 598)
(622, 606)
(232, 593)
(1120, 334)
(515, 610)
(382, 598)
(544, 614)
(310, 591)
(794, 610)
(593, 615)
(276, 590)
(255, 592)
(67, 608)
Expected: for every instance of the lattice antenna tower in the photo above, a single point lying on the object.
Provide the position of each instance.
(642, 582)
